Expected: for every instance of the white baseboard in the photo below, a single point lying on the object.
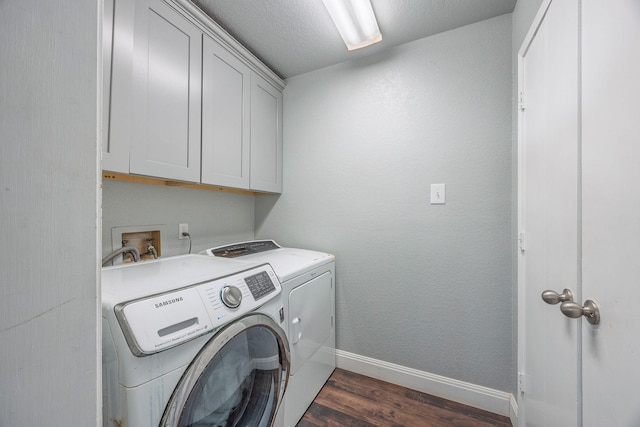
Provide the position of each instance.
(487, 399)
(513, 413)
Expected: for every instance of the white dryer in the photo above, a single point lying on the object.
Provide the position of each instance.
(193, 341)
(308, 287)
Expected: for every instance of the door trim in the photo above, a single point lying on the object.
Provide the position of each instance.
(521, 231)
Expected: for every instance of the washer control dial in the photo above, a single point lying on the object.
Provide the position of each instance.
(231, 296)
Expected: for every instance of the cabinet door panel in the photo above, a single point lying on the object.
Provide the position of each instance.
(266, 136)
(116, 114)
(226, 97)
(167, 70)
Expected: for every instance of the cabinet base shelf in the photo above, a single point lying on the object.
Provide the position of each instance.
(123, 177)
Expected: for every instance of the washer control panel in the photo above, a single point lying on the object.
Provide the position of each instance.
(162, 321)
(242, 249)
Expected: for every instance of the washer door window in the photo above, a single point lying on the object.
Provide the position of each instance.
(237, 379)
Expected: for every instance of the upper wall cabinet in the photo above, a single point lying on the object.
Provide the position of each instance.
(166, 93)
(116, 121)
(184, 101)
(226, 97)
(266, 136)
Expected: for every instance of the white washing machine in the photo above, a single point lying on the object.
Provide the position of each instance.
(193, 341)
(308, 288)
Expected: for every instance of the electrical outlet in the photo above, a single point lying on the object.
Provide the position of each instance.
(182, 229)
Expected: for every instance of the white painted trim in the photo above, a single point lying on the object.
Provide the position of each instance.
(495, 401)
(98, 219)
(513, 410)
(520, 258)
(521, 261)
(533, 29)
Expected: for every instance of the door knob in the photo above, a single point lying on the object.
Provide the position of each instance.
(552, 297)
(574, 310)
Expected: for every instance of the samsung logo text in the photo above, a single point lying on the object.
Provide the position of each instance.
(168, 302)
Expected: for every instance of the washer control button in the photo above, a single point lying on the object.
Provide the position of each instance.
(231, 296)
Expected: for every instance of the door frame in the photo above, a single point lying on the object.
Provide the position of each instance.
(521, 232)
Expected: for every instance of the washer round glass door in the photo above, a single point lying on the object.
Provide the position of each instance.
(237, 379)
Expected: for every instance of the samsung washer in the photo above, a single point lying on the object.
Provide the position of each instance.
(193, 341)
(308, 288)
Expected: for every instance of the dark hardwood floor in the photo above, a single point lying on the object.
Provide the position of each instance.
(350, 399)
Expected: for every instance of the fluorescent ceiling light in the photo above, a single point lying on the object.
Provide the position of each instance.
(356, 22)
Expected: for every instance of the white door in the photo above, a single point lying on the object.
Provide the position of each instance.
(592, 368)
(611, 210)
(549, 218)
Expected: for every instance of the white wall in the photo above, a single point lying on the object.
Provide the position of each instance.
(214, 218)
(49, 351)
(423, 286)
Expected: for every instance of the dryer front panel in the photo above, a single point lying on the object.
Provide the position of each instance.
(310, 318)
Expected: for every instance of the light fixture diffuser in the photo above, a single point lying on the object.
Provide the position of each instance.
(355, 21)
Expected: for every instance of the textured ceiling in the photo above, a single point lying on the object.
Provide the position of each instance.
(296, 36)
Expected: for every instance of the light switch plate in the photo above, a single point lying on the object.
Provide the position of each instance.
(438, 194)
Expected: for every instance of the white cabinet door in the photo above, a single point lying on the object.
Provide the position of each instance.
(549, 219)
(116, 113)
(611, 210)
(266, 136)
(167, 93)
(226, 100)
